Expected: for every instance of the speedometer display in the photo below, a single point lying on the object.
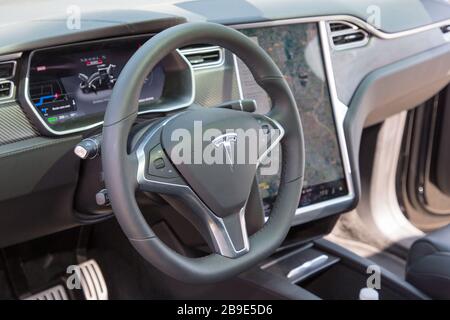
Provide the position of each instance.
(73, 83)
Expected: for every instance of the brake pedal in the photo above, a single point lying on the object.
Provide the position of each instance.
(87, 279)
(92, 281)
(56, 293)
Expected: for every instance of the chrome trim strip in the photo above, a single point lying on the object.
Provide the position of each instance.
(238, 77)
(200, 50)
(276, 124)
(307, 267)
(141, 157)
(357, 21)
(30, 105)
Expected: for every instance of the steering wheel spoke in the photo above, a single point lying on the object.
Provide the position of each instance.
(271, 132)
(226, 236)
(154, 170)
(230, 235)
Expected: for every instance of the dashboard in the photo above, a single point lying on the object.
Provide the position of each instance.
(58, 83)
(69, 87)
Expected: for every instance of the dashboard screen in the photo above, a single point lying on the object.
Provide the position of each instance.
(297, 52)
(73, 83)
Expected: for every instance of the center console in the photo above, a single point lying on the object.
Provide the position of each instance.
(323, 270)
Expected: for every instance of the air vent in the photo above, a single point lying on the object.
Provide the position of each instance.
(344, 35)
(339, 26)
(204, 56)
(6, 90)
(7, 69)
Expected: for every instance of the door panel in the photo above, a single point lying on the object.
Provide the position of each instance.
(424, 168)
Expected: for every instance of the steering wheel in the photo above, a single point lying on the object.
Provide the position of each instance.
(212, 196)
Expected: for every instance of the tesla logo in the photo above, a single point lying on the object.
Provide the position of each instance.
(225, 141)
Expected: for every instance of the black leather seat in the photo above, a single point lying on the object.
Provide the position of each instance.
(428, 266)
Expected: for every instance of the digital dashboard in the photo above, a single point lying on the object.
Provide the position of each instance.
(69, 86)
(71, 82)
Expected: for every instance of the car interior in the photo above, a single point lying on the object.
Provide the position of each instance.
(348, 196)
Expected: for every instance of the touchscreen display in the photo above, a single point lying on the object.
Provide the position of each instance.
(75, 82)
(296, 51)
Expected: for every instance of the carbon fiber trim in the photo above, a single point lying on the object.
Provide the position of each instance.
(14, 125)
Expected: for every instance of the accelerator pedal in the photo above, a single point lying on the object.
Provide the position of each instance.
(92, 281)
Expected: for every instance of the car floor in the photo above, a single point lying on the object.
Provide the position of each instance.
(351, 234)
